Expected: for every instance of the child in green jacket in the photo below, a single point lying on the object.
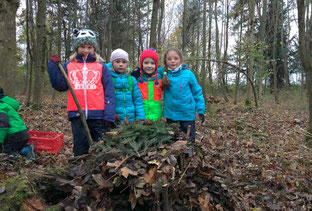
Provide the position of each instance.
(13, 133)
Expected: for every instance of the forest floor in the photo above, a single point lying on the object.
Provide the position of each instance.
(261, 150)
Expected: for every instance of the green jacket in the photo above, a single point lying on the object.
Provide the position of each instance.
(10, 121)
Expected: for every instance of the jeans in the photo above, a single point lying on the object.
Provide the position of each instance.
(184, 125)
(96, 126)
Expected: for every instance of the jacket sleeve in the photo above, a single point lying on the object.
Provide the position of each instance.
(57, 79)
(197, 94)
(109, 95)
(4, 126)
(137, 100)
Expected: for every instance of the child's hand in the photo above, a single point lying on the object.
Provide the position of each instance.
(55, 59)
(202, 118)
(117, 119)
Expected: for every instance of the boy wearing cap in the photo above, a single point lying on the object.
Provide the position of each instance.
(129, 101)
(150, 84)
(93, 86)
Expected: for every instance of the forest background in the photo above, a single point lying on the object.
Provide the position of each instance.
(252, 59)
(239, 50)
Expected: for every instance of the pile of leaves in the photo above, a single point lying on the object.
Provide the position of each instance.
(162, 177)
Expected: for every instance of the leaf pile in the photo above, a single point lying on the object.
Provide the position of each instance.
(162, 179)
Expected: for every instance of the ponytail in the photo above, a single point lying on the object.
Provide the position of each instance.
(165, 80)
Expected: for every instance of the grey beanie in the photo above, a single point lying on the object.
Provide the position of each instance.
(119, 54)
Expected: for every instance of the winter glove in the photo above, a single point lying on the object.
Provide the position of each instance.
(117, 119)
(202, 118)
(55, 59)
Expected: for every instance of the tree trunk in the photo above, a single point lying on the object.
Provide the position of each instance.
(262, 31)
(209, 49)
(223, 69)
(184, 16)
(274, 50)
(305, 56)
(41, 47)
(8, 59)
(237, 78)
(153, 42)
(204, 43)
(31, 50)
(160, 22)
(251, 19)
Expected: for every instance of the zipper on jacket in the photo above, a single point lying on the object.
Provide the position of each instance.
(84, 73)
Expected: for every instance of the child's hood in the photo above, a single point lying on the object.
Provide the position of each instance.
(11, 101)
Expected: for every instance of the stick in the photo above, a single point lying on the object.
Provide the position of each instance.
(82, 117)
(184, 172)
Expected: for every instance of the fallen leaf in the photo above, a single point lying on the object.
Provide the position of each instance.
(101, 181)
(150, 176)
(125, 171)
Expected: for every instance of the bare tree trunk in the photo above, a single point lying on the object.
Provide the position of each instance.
(160, 21)
(8, 62)
(184, 16)
(224, 82)
(285, 49)
(251, 7)
(148, 22)
(70, 18)
(262, 31)
(110, 27)
(209, 49)
(31, 50)
(237, 78)
(41, 47)
(204, 43)
(274, 51)
(153, 43)
(305, 56)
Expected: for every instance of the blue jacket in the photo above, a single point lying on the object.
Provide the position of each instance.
(58, 82)
(127, 102)
(184, 97)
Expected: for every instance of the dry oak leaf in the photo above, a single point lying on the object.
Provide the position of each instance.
(125, 171)
(151, 175)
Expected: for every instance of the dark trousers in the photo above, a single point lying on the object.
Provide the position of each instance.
(184, 125)
(14, 143)
(96, 126)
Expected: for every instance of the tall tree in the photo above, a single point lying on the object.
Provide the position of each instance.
(41, 41)
(160, 22)
(8, 59)
(211, 91)
(204, 43)
(251, 37)
(274, 50)
(153, 35)
(306, 58)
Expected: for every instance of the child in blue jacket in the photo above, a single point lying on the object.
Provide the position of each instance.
(93, 86)
(129, 102)
(183, 96)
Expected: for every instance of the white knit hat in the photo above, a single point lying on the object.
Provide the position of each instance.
(119, 54)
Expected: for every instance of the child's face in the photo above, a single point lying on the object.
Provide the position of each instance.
(86, 49)
(120, 65)
(149, 65)
(173, 59)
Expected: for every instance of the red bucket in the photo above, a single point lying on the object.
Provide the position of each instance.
(46, 141)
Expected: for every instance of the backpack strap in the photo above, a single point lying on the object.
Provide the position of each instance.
(130, 83)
